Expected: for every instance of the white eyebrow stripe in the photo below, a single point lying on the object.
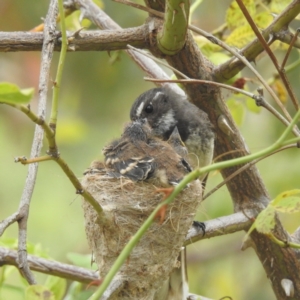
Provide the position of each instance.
(140, 109)
(157, 95)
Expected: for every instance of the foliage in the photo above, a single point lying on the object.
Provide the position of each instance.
(286, 202)
(12, 94)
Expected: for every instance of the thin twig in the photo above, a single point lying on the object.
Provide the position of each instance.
(269, 52)
(222, 85)
(286, 36)
(243, 168)
(8, 221)
(291, 45)
(60, 67)
(158, 61)
(142, 7)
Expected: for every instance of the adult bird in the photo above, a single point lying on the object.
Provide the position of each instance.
(164, 110)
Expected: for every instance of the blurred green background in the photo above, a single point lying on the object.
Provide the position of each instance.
(95, 100)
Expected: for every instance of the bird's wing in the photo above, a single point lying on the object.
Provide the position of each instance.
(136, 168)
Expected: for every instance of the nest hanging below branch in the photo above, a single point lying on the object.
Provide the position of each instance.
(127, 205)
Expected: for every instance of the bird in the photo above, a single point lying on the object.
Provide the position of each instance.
(140, 156)
(164, 110)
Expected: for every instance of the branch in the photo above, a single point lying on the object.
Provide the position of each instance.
(172, 37)
(159, 62)
(8, 221)
(243, 168)
(221, 226)
(78, 41)
(54, 268)
(291, 46)
(60, 67)
(286, 36)
(23, 210)
(39, 120)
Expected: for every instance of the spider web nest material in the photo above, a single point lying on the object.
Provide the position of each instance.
(127, 205)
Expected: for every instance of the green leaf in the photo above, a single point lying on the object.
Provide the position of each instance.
(237, 110)
(240, 36)
(78, 291)
(280, 90)
(99, 3)
(287, 202)
(251, 105)
(9, 242)
(38, 292)
(243, 34)
(218, 58)
(285, 195)
(71, 130)
(57, 286)
(12, 94)
(264, 222)
(80, 260)
(37, 250)
(263, 19)
(289, 205)
(277, 6)
(235, 17)
(206, 46)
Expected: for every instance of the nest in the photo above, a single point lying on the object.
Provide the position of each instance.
(126, 206)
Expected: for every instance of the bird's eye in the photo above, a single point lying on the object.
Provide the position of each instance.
(149, 109)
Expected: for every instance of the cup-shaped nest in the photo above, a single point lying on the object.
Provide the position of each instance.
(126, 205)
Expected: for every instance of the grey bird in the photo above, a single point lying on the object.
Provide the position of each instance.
(164, 110)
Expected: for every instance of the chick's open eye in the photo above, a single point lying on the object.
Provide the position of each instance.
(149, 109)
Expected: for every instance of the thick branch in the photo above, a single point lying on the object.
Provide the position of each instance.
(172, 36)
(82, 41)
(9, 257)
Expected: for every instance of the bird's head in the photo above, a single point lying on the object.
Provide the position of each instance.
(159, 109)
